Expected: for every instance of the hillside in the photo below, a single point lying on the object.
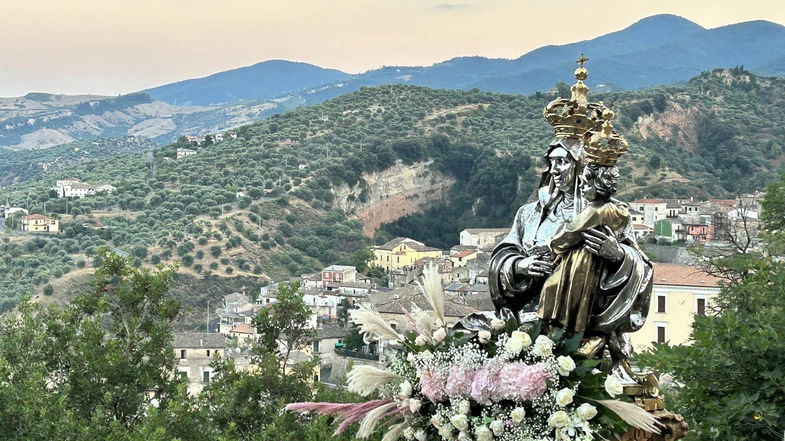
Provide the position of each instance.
(308, 188)
(40, 121)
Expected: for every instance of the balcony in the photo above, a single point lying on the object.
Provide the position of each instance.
(343, 352)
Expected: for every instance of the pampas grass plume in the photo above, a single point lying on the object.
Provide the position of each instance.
(372, 324)
(365, 379)
(368, 424)
(432, 290)
(633, 415)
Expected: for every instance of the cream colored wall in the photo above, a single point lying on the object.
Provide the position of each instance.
(680, 307)
(400, 256)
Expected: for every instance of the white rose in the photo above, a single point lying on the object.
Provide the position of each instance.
(613, 386)
(586, 411)
(437, 421)
(446, 431)
(517, 414)
(559, 419)
(543, 347)
(439, 335)
(420, 340)
(484, 336)
(414, 405)
(523, 337)
(463, 436)
(426, 354)
(420, 435)
(497, 427)
(410, 357)
(498, 324)
(464, 407)
(406, 390)
(513, 346)
(460, 421)
(564, 397)
(565, 364)
(483, 433)
(408, 433)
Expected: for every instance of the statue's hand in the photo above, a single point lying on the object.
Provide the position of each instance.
(603, 244)
(533, 266)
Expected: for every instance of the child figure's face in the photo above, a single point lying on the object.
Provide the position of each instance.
(587, 185)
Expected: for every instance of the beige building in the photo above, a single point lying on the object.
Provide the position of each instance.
(652, 209)
(38, 223)
(401, 252)
(483, 238)
(679, 293)
(194, 352)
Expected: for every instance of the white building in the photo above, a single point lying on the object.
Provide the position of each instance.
(652, 209)
(195, 352)
(182, 153)
(74, 188)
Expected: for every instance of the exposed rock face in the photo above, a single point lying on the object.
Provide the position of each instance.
(677, 123)
(393, 193)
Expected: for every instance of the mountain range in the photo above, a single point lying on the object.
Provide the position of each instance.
(658, 50)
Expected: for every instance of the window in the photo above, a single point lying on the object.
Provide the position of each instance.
(182, 354)
(206, 376)
(700, 305)
(316, 346)
(183, 375)
(662, 332)
(661, 303)
(394, 325)
(208, 353)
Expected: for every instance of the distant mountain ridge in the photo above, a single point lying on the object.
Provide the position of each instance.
(658, 50)
(268, 79)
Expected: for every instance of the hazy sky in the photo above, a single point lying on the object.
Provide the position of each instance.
(112, 46)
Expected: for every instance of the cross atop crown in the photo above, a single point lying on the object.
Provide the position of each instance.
(582, 59)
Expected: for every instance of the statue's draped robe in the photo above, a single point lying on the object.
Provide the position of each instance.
(622, 301)
(568, 293)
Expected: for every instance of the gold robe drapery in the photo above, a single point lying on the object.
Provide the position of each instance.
(568, 293)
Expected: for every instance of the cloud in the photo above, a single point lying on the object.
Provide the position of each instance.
(451, 6)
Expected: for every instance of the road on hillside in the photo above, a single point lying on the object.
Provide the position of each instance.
(2, 224)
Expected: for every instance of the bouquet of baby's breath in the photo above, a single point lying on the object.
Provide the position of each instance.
(500, 383)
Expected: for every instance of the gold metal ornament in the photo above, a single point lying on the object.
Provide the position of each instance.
(606, 146)
(573, 117)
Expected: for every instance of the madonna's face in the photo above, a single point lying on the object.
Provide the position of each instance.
(562, 169)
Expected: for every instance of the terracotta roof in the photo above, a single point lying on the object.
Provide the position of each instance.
(199, 340)
(649, 201)
(332, 331)
(395, 301)
(682, 275)
(339, 268)
(411, 243)
(243, 328)
(37, 217)
(464, 253)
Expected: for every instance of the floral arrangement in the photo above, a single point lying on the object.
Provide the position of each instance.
(500, 383)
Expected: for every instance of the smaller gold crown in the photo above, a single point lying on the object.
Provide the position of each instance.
(606, 146)
(573, 117)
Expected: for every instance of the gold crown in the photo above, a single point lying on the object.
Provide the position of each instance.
(573, 117)
(606, 146)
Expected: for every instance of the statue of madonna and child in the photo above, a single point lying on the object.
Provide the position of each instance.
(570, 260)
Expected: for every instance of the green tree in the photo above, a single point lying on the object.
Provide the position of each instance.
(87, 369)
(284, 328)
(732, 377)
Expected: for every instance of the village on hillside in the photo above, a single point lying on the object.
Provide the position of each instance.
(679, 293)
